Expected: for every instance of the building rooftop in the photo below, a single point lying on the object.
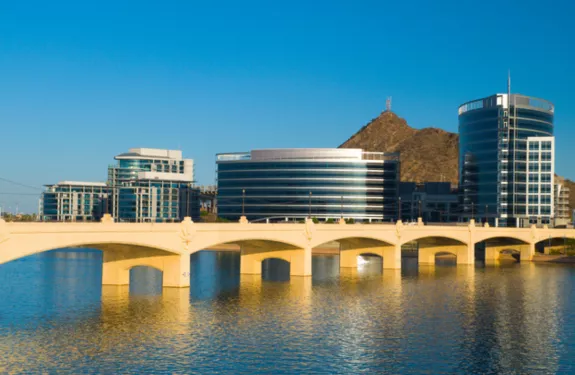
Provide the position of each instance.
(78, 183)
(150, 153)
(340, 154)
(519, 100)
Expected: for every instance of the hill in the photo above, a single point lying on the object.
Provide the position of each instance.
(428, 154)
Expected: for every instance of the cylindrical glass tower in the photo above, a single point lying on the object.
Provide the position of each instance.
(506, 159)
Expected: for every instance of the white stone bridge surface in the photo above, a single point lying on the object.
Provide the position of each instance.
(168, 247)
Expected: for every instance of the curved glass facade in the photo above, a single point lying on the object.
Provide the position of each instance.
(494, 160)
(297, 183)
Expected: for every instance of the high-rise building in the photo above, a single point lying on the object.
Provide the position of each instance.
(146, 185)
(506, 159)
(284, 184)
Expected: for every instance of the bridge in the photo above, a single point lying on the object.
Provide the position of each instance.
(168, 246)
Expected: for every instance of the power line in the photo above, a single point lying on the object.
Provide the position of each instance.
(19, 184)
(35, 194)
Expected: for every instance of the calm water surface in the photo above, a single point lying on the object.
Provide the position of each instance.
(55, 317)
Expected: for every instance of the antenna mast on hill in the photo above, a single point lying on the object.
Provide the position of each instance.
(388, 104)
(509, 84)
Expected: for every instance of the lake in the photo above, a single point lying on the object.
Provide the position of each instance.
(56, 317)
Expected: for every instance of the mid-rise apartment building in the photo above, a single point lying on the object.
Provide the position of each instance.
(562, 211)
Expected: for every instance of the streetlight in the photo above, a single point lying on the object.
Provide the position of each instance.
(243, 202)
(419, 207)
(486, 216)
(342, 206)
(399, 210)
(472, 210)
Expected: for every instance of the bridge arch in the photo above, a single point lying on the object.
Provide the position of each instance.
(254, 250)
(20, 250)
(352, 246)
(555, 244)
(431, 247)
(457, 235)
(493, 247)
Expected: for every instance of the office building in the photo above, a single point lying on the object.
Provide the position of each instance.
(153, 185)
(73, 201)
(506, 160)
(287, 184)
(146, 185)
(434, 202)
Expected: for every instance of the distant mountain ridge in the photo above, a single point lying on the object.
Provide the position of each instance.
(428, 154)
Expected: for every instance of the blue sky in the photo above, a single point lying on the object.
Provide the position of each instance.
(83, 81)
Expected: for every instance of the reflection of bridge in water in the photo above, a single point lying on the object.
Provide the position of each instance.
(167, 247)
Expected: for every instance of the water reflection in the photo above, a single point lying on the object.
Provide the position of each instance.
(442, 319)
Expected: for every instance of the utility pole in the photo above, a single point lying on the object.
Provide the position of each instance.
(309, 206)
(188, 201)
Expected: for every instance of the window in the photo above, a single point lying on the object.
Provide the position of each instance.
(545, 167)
(546, 145)
(533, 188)
(533, 178)
(546, 156)
(546, 188)
(533, 167)
(533, 199)
(533, 156)
(545, 199)
(534, 146)
(533, 210)
(546, 177)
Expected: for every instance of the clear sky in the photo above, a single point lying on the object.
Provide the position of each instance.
(83, 81)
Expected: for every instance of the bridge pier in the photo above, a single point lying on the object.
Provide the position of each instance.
(299, 260)
(116, 267)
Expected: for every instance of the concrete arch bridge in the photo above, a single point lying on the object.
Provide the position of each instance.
(168, 246)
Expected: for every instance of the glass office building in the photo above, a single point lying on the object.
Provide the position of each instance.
(153, 185)
(73, 201)
(287, 184)
(506, 159)
(146, 185)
